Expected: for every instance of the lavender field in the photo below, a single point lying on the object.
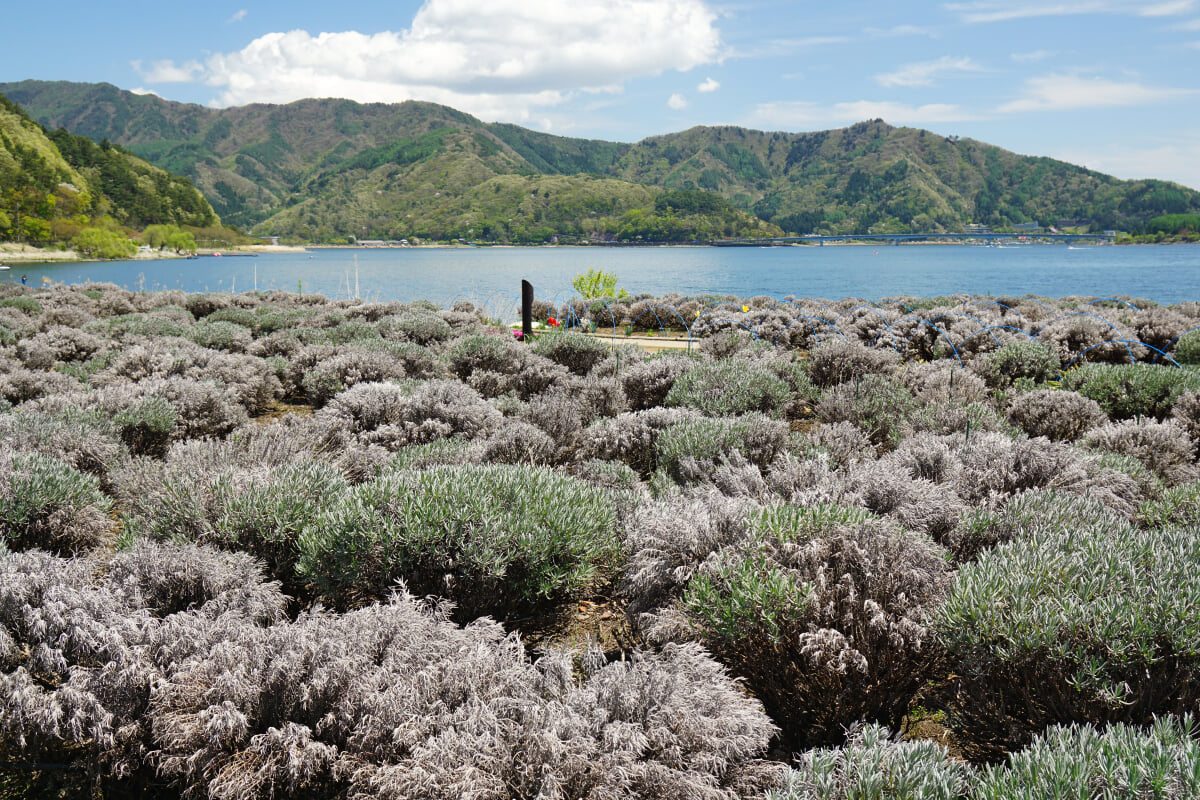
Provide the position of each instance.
(273, 545)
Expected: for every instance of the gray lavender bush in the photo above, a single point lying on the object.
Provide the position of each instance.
(825, 613)
(1057, 415)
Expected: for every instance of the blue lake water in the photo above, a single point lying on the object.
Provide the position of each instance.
(1165, 274)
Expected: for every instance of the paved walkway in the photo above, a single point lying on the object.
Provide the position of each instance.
(651, 344)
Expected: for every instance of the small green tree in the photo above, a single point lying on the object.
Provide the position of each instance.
(597, 283)
(101, 243)
(182, 242)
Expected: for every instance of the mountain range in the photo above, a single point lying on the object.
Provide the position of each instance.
(330, 169)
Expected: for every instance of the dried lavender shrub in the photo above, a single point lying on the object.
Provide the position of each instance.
(22, 385)
(340, 371)
(1057, 415)
(845, 442)
(250, 381)
(89, 646)
(1159, 327)
(1102, 341)
(562, 416)
(44, 503)
(396, 416)
(631, 438)
(58, 343)
(943, 382)
(668, 540)
(917, 503)
(1186, 413)
(647, 382)
(201, 305)
(825, 613)
(995, 467)
(1164, 447)
(835, 362)
(517, 442)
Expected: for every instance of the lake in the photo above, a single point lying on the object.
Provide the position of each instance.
(492, 275)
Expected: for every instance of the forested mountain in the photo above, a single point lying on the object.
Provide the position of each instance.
(325, 169)
(54, 183)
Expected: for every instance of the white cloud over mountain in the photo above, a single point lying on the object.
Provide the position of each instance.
(493, 58)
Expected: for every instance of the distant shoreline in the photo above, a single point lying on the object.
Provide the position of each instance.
(12, 254)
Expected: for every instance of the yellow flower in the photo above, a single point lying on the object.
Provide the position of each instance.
(746, 309)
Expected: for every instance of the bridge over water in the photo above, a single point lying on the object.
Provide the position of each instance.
(908, 238)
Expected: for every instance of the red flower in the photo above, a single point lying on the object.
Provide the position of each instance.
(552, 322)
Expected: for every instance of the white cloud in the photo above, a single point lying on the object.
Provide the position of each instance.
(143, 90)
(493, 58)
(709, 85)
(1169, 9)
(1002, 11)
(900, 30)
(677, 101)
(239, 15)
(803, 114)
(924, 74)
(1034, 56)
(1176, 161)
(169, 71)
(1069, 92)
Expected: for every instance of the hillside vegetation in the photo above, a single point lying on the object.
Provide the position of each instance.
(54, 185)
(333, 169)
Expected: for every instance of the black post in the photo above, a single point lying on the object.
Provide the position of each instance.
(526, 311)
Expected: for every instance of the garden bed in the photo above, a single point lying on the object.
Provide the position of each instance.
(272, 545)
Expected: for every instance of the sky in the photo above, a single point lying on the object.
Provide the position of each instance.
(1112, 85)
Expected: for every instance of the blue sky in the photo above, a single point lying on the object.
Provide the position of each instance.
(1109, 84)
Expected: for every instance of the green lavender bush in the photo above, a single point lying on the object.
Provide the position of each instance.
(1021, 358)
(728, 388)
(1073, 624)
(1128, 391)
(1075, 762)
(689, 450)
(47, 504)
(493, 538)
